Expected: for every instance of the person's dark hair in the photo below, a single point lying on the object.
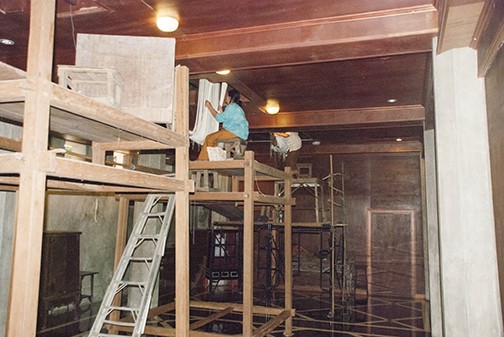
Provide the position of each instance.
(235, 96)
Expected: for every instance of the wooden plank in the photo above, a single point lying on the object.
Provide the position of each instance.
(121, 234)
(10, 144)
(182, 239)
(215, 316)
(67, 168)
(13, 90)
(238, 307)
(221, 196)
(248, 245)
(11, 162)
(288, 252)
(121, 145)
(24, 290)
(265, 329)
(86, 107)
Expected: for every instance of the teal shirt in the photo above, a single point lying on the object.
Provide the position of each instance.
(233, 119)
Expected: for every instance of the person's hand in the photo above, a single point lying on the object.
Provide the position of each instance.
(208, 104)
(219, 109)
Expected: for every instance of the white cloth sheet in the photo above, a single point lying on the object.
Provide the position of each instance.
(205, 122)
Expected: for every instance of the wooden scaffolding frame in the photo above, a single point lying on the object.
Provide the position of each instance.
(244, 174)
(43, 107)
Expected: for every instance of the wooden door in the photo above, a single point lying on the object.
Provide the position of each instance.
(391, 260)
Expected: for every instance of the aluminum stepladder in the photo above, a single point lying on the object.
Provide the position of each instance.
(137, 270)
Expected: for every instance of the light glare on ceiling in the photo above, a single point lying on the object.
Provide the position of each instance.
(223, 72)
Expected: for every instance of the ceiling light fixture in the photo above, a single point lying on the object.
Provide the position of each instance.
(316, 142)
(392, 100)
(166, 22)
(223, 72)
(398, 139)
(272, 107)
(7, 42)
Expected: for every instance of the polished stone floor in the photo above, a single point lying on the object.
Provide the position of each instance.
(378, 316)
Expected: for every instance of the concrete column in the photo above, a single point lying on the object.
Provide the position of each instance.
(468, 260)
(432, 235)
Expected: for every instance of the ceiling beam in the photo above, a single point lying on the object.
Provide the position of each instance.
(330, 118)
(402, 30)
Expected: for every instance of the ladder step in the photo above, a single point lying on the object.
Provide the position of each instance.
(119, 323)
(147, 236)
(153, 214)
(121, 308)
(103, 334)
(140, 258)
(130, 283)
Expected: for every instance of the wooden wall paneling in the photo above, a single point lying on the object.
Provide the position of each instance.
(22, 311)
(391, 252)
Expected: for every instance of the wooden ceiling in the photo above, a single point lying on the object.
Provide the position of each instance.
(332, 65)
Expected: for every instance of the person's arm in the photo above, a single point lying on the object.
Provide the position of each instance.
(211, 108)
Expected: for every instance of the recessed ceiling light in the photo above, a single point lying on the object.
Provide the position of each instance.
(399, 139)
(392, 100)
(167, 23)
(223, 72)
(316, 142)
(7, 42)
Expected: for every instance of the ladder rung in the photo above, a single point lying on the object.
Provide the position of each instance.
(140, 258)
(155, 214)
(103, 334)
(147, 236)
(121, 308)
(120, 323)
(131, 283)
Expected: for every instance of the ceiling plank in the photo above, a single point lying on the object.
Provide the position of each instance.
(320, 36)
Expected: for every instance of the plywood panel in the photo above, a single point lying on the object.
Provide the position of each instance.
(146, 66)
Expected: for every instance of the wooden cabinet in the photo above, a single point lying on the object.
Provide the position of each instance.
(59, 277)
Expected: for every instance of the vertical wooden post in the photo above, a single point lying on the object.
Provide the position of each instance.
(248, 244)
(122, 231)
(182, 280)
(288, 251)
(24, 286)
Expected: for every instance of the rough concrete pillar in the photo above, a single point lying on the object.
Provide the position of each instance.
(469, 279)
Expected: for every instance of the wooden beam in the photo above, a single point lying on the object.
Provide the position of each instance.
(72, 169)
(364, 116)
(216, 315)
(121, 145)
(288, 43)
(248, 245)
(458, 20)
(27, 242)
(10, 144)
(182, 278)
(489, 35)
(86, 107)
(13, 90)
(11, 162)
(272, 324)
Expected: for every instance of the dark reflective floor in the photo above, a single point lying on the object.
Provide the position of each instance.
(384, 317)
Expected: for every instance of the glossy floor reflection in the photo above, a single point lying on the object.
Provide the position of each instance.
(383, 317)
